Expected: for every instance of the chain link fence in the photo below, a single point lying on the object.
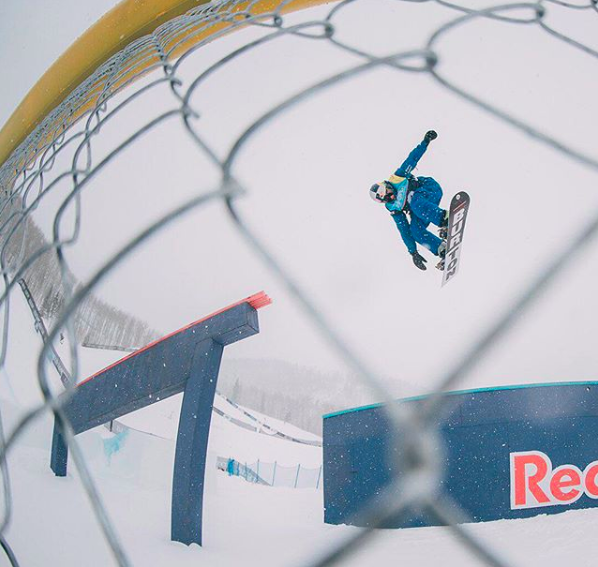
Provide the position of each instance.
(30, 175)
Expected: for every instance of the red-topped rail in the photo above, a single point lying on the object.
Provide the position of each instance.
(257, 301)
(188, 361)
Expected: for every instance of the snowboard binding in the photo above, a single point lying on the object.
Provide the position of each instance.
(443, 226)
(441, 255)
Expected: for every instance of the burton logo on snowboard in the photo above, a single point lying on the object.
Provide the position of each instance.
(456, 226)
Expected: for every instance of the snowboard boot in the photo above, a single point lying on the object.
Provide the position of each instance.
(443, 226)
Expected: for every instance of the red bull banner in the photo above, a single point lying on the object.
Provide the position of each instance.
(507, 453)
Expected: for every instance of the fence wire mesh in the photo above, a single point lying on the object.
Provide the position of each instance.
(30, 175)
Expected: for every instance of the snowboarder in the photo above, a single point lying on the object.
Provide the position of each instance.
(419, 197)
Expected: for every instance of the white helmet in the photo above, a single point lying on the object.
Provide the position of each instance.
(378, 192)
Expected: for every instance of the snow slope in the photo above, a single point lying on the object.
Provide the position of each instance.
(244, 523)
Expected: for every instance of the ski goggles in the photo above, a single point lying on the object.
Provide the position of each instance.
(382, 192)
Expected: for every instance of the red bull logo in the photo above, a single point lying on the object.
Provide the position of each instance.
(535, 483)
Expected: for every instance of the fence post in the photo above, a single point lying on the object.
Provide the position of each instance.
(319, 475)
(297, 477)
(274, 474)
(257, 474)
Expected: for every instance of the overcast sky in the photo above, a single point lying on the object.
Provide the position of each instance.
(307, 175)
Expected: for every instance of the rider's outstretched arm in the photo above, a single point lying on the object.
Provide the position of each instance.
(411, 162)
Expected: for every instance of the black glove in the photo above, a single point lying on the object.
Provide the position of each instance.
(430, 135)
(419, 260)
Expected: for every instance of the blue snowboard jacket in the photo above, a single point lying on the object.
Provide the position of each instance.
(422, 200)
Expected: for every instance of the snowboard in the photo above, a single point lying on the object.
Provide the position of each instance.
(456, 226)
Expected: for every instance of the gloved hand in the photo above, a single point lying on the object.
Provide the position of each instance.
(419, 260)
(430, 135)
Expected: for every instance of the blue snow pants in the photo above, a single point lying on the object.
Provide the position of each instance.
(425, 210)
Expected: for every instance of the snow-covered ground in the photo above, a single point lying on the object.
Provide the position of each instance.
(244, 523)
